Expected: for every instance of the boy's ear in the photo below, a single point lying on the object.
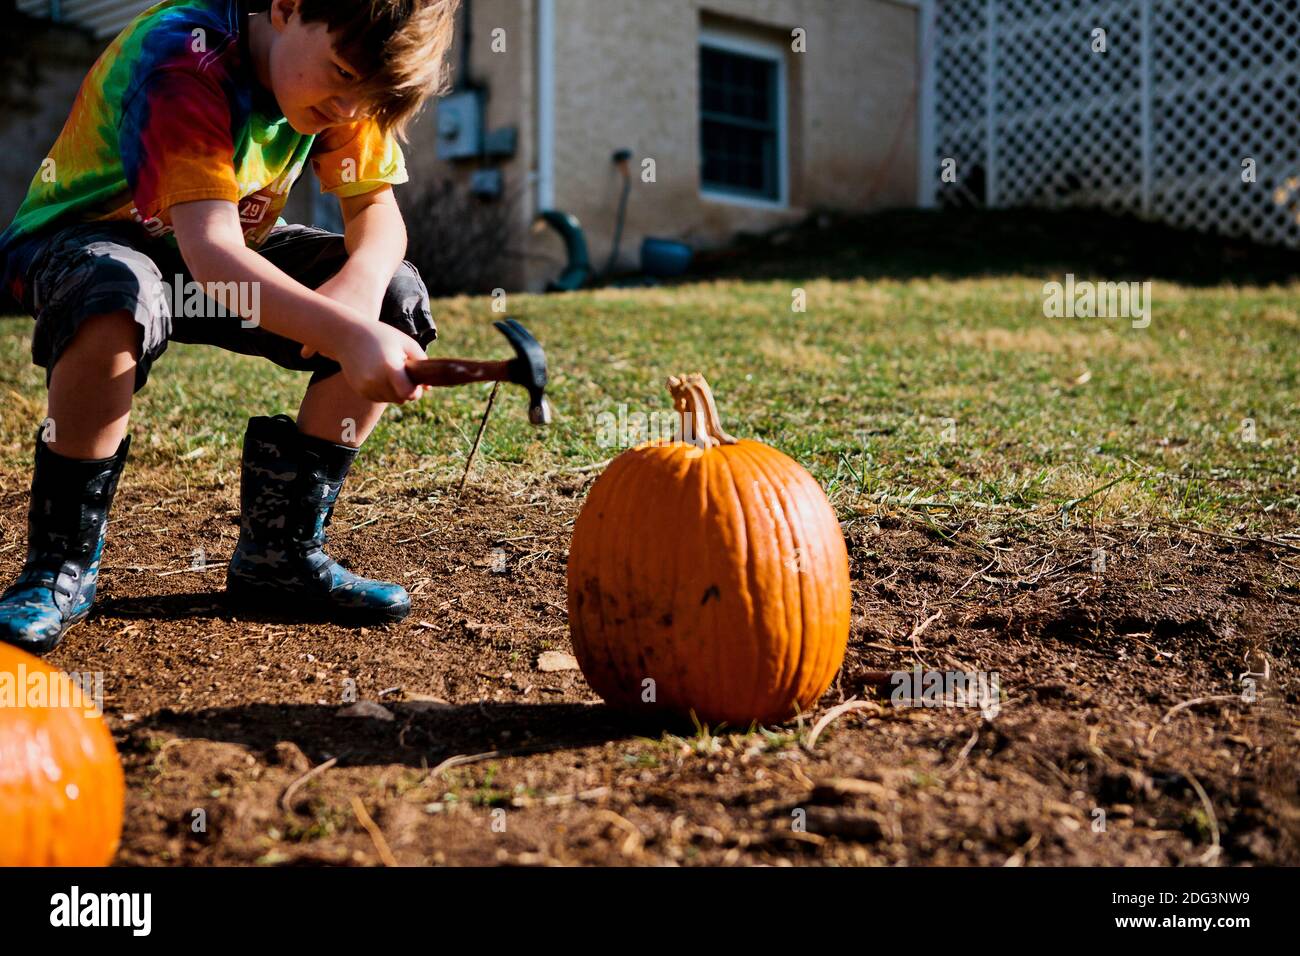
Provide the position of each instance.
(282, 12)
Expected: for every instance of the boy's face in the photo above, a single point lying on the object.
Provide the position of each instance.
(315, 87)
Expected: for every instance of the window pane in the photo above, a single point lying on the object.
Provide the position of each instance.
(738, 134)
(736, 157)
(736, 84)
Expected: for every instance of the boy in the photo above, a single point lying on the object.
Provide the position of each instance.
(172, 167)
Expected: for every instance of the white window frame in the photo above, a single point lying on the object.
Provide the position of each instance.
(773, 52)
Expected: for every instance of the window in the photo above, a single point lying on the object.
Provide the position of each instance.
(742, 119)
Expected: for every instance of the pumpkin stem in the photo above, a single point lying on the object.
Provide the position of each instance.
(698, 422)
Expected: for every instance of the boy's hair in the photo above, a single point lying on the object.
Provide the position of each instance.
(400, 47)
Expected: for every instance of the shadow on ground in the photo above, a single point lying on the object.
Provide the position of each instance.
(419, 733)
(212, 605)
(962, 243)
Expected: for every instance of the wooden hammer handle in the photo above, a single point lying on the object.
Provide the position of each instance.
(456, 371)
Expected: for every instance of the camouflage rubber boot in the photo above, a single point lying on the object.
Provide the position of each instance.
(288, 485)
(66, 521)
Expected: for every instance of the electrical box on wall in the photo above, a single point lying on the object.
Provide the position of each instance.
(460, 125)
(486, 183)
(500, 143)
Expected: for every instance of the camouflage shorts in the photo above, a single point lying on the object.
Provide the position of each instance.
(68, 275)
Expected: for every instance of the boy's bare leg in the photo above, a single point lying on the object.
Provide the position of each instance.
(78, 462)
(333, 411)
(92, 385)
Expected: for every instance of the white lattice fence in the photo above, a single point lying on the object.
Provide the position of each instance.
(1158, 124)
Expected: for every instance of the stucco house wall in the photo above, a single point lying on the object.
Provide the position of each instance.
(40, 74)
(623, 74)
(626, 76)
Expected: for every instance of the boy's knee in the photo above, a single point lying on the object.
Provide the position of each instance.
(102, 344)
(406, 305)
(111, 332)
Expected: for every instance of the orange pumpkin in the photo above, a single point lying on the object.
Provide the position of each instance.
(708, 575)
(61, 782)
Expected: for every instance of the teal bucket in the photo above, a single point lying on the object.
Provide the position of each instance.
(664, 258)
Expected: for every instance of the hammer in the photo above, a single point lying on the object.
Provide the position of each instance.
(527, 368)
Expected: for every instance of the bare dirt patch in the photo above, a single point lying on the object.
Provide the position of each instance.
(1122, 703)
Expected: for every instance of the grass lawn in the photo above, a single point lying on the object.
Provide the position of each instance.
(933, 391)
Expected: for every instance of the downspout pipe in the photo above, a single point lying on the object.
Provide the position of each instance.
(545, 104)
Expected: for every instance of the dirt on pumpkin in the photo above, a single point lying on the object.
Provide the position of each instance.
(1148, 711)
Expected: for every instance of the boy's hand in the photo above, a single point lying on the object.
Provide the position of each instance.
(368, 362)
(374, 357)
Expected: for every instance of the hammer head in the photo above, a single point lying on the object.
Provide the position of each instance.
(528, 368)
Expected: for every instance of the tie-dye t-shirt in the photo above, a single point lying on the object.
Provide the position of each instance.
(172, 112)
